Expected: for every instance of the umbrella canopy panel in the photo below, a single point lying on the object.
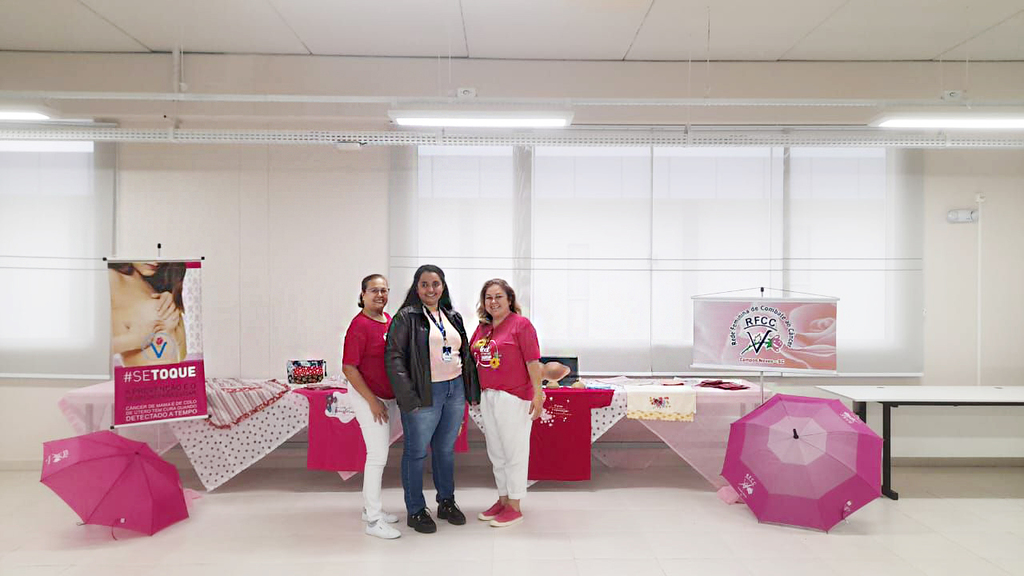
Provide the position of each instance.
(112, 481)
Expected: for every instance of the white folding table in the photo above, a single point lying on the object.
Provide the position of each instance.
(894, 396)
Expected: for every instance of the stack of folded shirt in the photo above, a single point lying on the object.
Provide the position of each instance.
(722, 385)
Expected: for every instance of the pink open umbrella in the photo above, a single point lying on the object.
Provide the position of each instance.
(112, 481)
(803, 461)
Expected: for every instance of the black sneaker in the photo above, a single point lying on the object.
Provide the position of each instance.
(446, 509)
(422, 522)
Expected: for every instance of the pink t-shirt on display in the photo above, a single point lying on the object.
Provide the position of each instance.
(501, 355)
(364, 348)
(560, 439)
(333, 444)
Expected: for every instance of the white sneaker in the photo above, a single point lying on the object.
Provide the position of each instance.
(389, 518)
(381, 530)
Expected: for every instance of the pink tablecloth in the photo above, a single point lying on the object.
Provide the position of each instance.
(91, 408)
(216, 454)
(700, 443)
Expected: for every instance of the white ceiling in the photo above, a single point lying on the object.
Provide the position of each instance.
(529, 29)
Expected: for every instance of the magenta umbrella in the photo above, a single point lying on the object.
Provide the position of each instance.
(112, 481)
(803, 461)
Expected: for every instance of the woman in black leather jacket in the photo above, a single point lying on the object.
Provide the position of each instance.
(433, 376)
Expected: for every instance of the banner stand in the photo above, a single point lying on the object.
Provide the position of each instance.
(156, 340)
(794, 332)
(761, 375)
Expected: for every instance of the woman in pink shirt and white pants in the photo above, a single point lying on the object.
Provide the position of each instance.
(507, 356)
(372, 398)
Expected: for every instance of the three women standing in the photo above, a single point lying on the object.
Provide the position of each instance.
(423, 362)
(431, 372)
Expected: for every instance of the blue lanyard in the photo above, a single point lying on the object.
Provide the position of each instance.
(438, 323)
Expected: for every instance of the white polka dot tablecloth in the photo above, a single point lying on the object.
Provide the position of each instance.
(218, 455)
(601, 419)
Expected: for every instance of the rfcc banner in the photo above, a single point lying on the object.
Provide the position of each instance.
(764, 334)
(156, 341)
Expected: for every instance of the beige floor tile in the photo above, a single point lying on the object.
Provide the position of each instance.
(619, 567)
(694, 566)
(660, 521)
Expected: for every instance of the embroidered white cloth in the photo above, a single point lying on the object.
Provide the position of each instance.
(655, 402)
(339, 405)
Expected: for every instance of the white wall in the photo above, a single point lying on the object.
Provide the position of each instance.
(287, 232)
(952, 180)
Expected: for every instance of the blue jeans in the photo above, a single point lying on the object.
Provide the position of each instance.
(436, 426)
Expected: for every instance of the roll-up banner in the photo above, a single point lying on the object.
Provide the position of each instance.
(765, 334)
(156, 340)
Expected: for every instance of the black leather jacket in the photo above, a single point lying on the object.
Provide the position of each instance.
(407, 358)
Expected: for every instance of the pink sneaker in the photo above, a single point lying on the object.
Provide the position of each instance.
(491, 512)
(507, 517)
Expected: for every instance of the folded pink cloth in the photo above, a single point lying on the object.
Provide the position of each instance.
(232, 400)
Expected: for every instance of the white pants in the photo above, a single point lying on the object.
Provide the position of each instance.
(377, 437)
(507, 427)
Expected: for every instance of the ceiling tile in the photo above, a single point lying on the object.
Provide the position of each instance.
(740, 29)
(1004, 41)
(899, 29)
(216, 26)
(377, 28)
(552, 29)
(59, 26)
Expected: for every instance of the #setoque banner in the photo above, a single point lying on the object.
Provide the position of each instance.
(156, 341)
(763, 334)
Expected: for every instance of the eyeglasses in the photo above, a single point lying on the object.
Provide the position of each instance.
(489, 298)
(378, 291)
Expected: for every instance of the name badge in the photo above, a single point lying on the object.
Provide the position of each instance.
(446, 353)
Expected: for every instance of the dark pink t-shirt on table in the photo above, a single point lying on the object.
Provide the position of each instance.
(364, 348)
(501, 355)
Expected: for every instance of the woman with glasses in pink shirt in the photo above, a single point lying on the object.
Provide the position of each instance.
(372, 398)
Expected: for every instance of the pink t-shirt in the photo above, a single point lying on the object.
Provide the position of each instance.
(501, 355)
(560, 439)
(364, 348)
(333, 444)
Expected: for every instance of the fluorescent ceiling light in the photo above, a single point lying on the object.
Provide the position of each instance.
(478, 119)
(13, 115)
(952, 120)
(45, 146)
